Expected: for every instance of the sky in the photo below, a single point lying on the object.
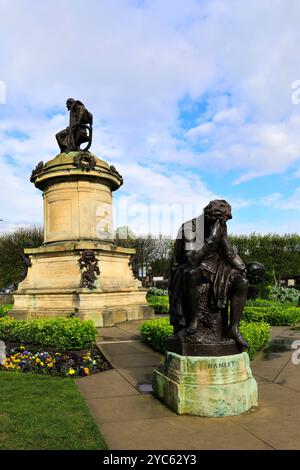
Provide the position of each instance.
(192, 100)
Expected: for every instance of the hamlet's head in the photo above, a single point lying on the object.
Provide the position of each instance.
(219, 209)
(69, 103)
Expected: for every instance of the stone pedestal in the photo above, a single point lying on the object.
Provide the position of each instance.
(77, 190)
(206, 386)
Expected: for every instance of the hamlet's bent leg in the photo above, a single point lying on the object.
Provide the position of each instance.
(191, 280)
(238, 299)
(61, 138)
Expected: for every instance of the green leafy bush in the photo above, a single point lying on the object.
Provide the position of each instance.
(284, 294)
(256, 335)
(274, 314)
(61, 333)
(155, 332)
(160, 304)
(4, 309)
(262, 303)
(154, 291)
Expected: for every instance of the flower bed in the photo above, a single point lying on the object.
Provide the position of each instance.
(66, 364)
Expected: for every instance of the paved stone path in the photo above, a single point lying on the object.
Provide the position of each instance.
(130, 417)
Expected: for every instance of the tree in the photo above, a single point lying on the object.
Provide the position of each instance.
(279, 253)
(154, 252)
(12, 246)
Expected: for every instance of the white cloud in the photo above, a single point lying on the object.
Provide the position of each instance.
(132, 63)
(283, 202)
(201, 131)
(229, 116)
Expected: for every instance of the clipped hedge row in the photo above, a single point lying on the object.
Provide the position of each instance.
(160, 304)
(271, 312)
(60, 333)
(257, 336)
(155, 332)
(274, 314)
(4, 309)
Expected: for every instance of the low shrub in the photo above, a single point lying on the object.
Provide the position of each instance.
(263, 303)
(274, 314)
(284, 294)
(4, 309)
(61, 333)
(257, 336)
(155, 332)
(160, 304)
(155, 291)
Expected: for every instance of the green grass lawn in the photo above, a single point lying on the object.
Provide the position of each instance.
(42, 412)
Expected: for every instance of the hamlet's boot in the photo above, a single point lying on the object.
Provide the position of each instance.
(236, 309)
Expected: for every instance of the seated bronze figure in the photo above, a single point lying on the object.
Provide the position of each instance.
(208, 276)
(79, 131)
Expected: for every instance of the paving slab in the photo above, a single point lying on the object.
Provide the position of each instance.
(276, 425)
(131, 327)
(290, 333)
(122, 361)
(105, 384)
(116, 348)
(180, 432)
(278, 331)
(290, 377)
(270, 394)
(113, 333)
(270, 364)
(137, 376)
(261, 380)
(126, 409)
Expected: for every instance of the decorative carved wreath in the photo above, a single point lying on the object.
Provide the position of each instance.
(115, 171)
(38, 169)
(85, 161)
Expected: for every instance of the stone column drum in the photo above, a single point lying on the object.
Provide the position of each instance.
(77, 189)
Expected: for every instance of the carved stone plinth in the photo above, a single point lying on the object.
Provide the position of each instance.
(79, 270)
(206, 386)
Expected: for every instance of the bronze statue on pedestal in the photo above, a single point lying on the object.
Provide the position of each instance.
(80, 129)
(208, 276)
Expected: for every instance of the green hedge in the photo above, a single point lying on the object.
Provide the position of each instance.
(4, 309)
(155, 332)
(160, 304)
(257, 336)
(61, 333)
(274, 314)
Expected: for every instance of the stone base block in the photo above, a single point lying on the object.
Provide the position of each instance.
(52, 287)
(206, 386)
(105, 309)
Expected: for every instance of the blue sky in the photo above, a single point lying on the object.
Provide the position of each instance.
(192, 100)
